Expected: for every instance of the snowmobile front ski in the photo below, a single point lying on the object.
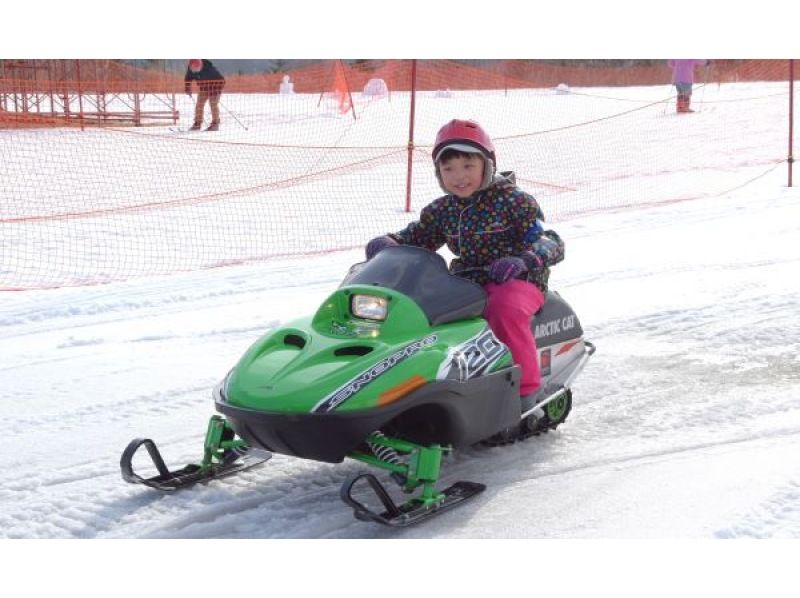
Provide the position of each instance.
(223, 456)
(413, 511)
(421, 470)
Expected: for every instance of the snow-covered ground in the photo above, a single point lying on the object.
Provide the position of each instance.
(686, 422)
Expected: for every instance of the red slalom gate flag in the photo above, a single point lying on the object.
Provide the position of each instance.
(340, 87)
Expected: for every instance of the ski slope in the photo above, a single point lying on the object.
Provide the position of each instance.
(686, 422)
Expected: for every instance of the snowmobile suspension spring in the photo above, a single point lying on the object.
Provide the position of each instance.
(384, 453)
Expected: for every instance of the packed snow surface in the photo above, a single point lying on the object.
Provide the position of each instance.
(686, 422)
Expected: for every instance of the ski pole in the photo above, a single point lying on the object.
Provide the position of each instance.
(705, 82)
(234, 116)
(667, 98)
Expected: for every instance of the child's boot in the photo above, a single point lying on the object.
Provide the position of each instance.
(683, 103)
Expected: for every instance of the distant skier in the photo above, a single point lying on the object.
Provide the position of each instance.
(683, 78)
(494, 229)
(209, 83)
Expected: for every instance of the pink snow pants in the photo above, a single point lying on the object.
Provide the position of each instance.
(509, 309)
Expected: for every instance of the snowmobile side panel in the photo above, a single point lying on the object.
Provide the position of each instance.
(555, 322)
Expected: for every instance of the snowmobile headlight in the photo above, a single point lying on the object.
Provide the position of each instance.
(369, 307)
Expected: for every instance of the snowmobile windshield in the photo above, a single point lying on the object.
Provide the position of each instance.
(423, 276)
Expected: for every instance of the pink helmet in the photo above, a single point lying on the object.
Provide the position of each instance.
(463, 133)
(195, 65)
(469, 137)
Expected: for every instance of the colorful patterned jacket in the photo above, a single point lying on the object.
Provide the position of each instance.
(499, 221)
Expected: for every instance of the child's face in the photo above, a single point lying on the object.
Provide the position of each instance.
(462, 175)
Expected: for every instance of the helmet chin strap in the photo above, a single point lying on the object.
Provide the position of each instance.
(488, 173)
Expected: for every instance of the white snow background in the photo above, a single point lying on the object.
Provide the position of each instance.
(685, 425)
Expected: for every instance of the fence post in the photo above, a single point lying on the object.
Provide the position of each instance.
(791, 118)
(411, 133)
(80, 92)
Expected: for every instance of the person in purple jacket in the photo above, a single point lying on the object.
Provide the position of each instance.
(495, 230)
(683, 78)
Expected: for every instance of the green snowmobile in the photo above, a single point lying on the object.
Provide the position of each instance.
(396, 368)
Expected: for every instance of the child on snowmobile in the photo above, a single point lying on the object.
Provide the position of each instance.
(494, 229)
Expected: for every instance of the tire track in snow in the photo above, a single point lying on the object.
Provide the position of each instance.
(291, 498)
(775, 518)
(304, 504)
(284, 498)
(194, 397)
(508, 473)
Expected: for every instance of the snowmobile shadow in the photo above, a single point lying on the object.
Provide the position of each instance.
(115, 516)
(272, 501)
(496, 467)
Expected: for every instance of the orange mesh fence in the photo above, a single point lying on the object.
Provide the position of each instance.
(101, 179)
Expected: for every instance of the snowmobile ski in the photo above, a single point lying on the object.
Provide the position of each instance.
(411, 512)
(224, 456)
(169, 481)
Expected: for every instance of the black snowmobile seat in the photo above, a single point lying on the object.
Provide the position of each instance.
(422, 275)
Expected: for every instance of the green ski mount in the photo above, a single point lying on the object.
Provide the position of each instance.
(420, 472)
(223, 455)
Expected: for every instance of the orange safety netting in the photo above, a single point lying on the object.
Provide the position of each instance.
(102, 181)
